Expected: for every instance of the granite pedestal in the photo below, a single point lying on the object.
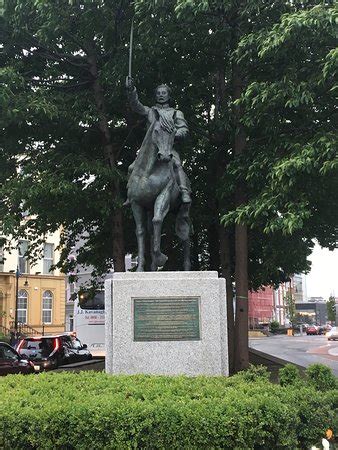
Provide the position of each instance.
(166, 323)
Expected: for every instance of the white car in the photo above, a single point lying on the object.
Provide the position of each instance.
(332, 334)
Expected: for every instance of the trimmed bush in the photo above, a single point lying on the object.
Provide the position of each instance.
(321, 377)
(4, 338)
(254, 373)
(289, 375)
(274, 326)
(89, 410)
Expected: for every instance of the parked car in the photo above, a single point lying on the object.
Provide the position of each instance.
(49, 352)
(312, 330)
(332, 335)
(11, 362)
(321, 329)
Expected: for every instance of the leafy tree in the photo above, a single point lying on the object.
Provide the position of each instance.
(255, 81)
(65, 122)
(290, 305)
(331, 309)
(279, 84)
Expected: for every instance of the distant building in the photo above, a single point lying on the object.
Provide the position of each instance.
(316, 300)
(269, 304)
(83, 279)
(41, 291)
(298, 283)
(312, 313)
(261, 306)
(280, 311)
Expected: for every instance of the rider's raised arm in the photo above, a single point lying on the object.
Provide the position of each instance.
(181, 126)
(135, 103)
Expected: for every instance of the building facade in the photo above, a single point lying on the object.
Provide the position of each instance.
(312, 313)
(270, 304)
(261, 307)
(34, 290)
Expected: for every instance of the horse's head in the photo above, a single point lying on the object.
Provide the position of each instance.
(164, 141)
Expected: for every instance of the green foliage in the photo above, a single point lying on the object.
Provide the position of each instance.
(290, 305)
(287, 59)
(155, 412)
(289, 375)
(331, 309)
(57, 163)
(255, 373)
(321, 377)
(4, 338)
(274, 325)
(288, 109)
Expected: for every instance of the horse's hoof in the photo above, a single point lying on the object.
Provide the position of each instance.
(161, 259)
(140, 269)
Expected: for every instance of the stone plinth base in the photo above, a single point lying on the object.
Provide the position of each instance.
(166, 323)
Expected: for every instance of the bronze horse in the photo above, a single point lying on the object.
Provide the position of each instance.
(153, 191)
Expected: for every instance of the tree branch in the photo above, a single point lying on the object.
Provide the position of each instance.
(61, 86)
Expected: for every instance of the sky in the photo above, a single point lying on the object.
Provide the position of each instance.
(322, 281)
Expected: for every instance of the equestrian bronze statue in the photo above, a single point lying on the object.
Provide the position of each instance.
(157, 182)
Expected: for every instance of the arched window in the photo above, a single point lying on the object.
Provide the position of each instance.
(47, 307)
(22, 306)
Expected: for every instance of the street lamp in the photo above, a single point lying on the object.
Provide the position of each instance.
(17, 275)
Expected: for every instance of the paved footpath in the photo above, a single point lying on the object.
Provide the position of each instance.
(300, 350)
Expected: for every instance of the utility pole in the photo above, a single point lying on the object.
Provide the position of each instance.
(17, 275)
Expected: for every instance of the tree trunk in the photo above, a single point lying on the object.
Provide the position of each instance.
(118, 241)
(241, 239)
(223, 233)
(213, 244)
(225, 257)
(110, 153)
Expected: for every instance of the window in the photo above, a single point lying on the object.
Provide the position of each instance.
(8, 354)
(91, 299)
(23, 260)
(48, 258)
(22, 306)
(47, 306)
(71, 323)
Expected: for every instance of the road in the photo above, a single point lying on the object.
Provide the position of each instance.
(301, 350)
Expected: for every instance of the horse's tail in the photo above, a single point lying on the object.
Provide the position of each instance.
(183, 225)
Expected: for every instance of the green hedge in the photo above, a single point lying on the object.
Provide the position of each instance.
(4, 338)
(91, 410)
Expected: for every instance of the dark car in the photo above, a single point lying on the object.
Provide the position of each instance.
(321, 330)
(49, 352)
(11, 362)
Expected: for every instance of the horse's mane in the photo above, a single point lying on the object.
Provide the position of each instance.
(145, 157)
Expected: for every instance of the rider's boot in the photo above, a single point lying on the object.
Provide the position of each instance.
(185, 195)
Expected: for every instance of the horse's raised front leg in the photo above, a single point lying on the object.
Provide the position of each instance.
(140, 222)
(161, 209)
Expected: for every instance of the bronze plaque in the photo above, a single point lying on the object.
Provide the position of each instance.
(166, 319)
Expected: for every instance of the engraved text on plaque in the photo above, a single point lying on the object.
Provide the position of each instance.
(166, 319)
